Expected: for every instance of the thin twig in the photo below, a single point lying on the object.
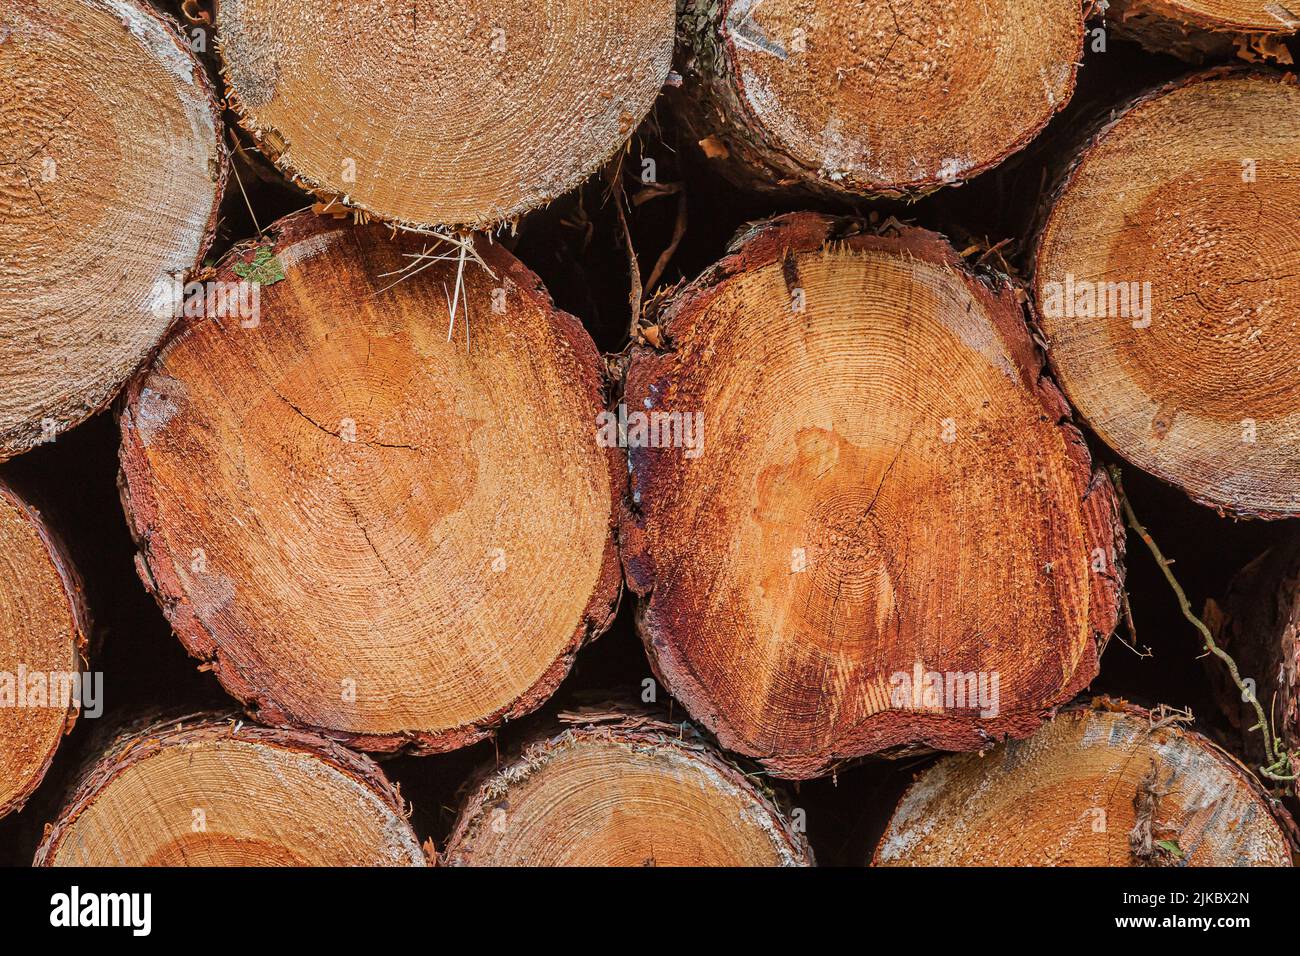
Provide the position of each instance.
(661, 264)
(1132, 629)
(634, 293)
(1280, 766)
(465, 252)
(252, 215)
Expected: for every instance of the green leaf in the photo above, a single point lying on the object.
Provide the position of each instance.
(1171, 846)
(265, 269)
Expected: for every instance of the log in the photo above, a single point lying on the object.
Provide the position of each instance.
(891, 491)
(627, 791)
(868, 96)
(109, 201)
(1258, 623)
(1167, 290)
(44, 629)
(363, 527)
(1108, 784)
(439, 113)
(210, 791)
(1197, 30)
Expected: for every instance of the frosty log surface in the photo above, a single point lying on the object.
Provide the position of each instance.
(869, 96)
(442, 112)
(113, 172)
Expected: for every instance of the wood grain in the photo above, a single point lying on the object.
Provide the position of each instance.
(890, 488)
(44, 631)
(112, 176)
(624, 792)
(1100, 785)
(1186, 200)
(366, 528)
(211, 791)
(442, 113)
(872, 96)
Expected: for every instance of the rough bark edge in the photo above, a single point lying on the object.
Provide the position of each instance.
(205, 91)
(141, 507)
(270, 144)
(1281, 818)
(638, 729)
(74, 593)
(149, 737)
(1161, 27)
(766, 242)
(710, 104)
(1258, 623)
(1092, 136)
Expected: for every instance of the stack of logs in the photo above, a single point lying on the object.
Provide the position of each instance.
(386, 491)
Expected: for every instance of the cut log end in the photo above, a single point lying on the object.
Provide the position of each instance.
(210, 792)
(439, 113)
(892, 538)
(372, 531)
(110, 200)
(1107, 785)
(863, 96)
(1199, 29)
(1168, 291)
(43, 634)
(632, 793)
